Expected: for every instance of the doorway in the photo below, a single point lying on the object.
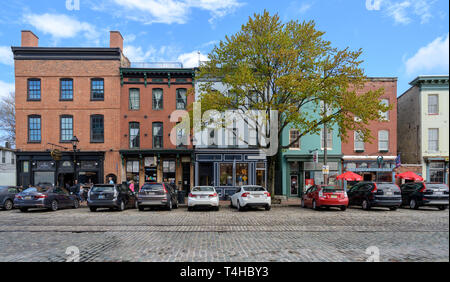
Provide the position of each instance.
(65, 179)
(186, 178)
(206, 174)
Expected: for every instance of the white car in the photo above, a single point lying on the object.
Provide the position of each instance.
(205, 196)
(251, 196)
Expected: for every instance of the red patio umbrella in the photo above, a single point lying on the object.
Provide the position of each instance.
(409, 175)
(350, 176)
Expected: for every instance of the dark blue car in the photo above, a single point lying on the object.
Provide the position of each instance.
(52, 198)
(7, 195)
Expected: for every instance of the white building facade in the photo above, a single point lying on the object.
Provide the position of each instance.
(7, 166)
(423, 126)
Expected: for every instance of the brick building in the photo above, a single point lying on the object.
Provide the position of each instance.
(375, 161)
(66, 92)
(149, 99)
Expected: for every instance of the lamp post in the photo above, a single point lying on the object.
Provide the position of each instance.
(74, 142)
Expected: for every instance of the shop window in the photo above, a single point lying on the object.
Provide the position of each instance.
(261, 174)
(437, 170)
(133, 172)
(242, 174)
(226, 174)
(41, 177)
(169, 169)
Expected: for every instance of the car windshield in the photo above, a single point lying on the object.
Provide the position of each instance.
(103, 189)
(331, 189)
(152, 187)
(203, 189)
(254, 188)
(36, 189)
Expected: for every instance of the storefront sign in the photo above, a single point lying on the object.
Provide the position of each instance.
(325, 169)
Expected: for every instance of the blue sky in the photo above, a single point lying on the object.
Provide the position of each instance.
(401, 38)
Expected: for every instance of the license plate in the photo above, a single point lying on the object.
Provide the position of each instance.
(256, 196)
(150, 193)
(334, 196)
(28, 198)
(388, 193)
(438, 193)
(101, 196)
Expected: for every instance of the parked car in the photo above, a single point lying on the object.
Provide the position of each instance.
(203, 196)
(375, 194)
(7, 195)
(157, 195)
(319, 196)
(419, 194)
(52, 198)
(112, 196)
(251, 196)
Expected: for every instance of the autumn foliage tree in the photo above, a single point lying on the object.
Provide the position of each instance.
(289, 67)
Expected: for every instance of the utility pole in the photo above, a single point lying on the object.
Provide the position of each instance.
(325, 143)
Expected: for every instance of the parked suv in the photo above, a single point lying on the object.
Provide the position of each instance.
(419, 194)
(157, 195)
(375, 194)
(112, 196)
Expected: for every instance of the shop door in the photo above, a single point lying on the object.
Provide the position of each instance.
(186, 177)
(294, 185)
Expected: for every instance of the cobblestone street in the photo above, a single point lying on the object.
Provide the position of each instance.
(282, 234)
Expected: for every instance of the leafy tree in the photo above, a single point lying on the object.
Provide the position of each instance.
(8, 118)
(290, 68)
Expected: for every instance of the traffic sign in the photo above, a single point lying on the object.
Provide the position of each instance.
(326, 169)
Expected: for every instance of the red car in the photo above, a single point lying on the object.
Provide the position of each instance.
(319, 196)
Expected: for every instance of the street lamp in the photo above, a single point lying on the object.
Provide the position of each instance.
(74, 142)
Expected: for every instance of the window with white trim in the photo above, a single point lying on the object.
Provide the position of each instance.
(433, 139)
(433, 104)
(383, 140)
(385, 115)
(329, 139)
(359, 141)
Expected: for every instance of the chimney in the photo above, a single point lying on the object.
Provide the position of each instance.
(115, 40)
(29, 39)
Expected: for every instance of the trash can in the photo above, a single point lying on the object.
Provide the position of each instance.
(181, 196)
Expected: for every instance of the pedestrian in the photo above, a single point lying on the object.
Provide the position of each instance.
(76, 189)
(85, 193)
(132, 185)
(111, 181)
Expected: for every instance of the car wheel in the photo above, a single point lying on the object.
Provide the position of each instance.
(23, 209)
(267, 207)
(8, 205)
(54, 205)
(314, 205)
(140, 208)
(303, 204)
(76, 204)
(231, 204)
(238, 206)
(442, 208)
(413, 204)
(366, 205)
(169, 206)
(343, 208)
(122, 206)
(393, 208)
(175, 206)
(190, 209)
(136, 205)
(93, 209)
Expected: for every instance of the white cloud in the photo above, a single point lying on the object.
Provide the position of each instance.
(6, 56)
(60, 25)
(6, 88)
(191, 60)
(304, 7)
(431, 58)
(151, 54)
(174, 11)
(403, 11)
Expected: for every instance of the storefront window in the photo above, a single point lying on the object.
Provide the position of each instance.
(44, 177)
(169, 171)
(437, 172)
(261, 174)
(226, 174)
(384, 177)
(133, 171)
(241, 174)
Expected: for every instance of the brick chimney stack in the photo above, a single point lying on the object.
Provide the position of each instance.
(115, 40)
(29, 39)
